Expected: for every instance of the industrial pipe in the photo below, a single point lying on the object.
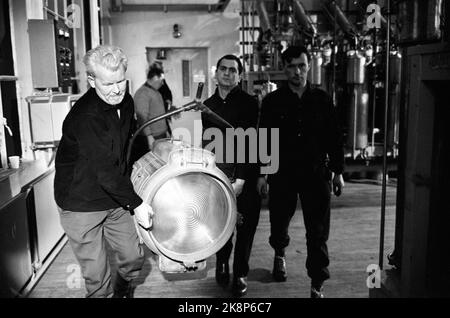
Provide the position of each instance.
(336, 12)
(264, 20)
(303, 18)
(386, 112)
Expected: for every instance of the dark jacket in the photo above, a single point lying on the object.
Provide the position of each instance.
(310, 135)
(91, 168)
(241, 111)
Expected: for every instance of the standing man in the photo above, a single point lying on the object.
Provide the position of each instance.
(311, 151)
(166, 94)
(149, 103)
(241, 111)
(92, 185)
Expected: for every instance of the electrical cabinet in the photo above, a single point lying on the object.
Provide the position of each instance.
(52, 63)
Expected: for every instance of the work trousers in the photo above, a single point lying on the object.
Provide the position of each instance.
(249, 206)
(88, 233)
(314, 189)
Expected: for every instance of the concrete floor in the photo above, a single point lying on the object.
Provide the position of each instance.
(353, 246)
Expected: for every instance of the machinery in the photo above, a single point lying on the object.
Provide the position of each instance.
(194, 204)
(349, 50)
(193, 201)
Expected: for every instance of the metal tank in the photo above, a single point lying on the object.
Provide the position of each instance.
(419, 20)
(193, 202)
(356, 67)
(395, 65)
(316, 68)
(357, 138)
(358, 115)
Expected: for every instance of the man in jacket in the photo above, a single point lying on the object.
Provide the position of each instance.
(241, 111)
(92, 185)
(310, 151)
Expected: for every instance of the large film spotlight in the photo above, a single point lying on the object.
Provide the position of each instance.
(193, 201)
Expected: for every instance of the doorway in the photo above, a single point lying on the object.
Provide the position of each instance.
(184, 69)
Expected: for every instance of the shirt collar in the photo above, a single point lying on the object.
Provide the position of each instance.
(307, 88)
(105, 106)
(146, 84)
(233, 91)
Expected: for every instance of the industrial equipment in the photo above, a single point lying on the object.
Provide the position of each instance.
(350, 58)
(52, 60)
(193, 201)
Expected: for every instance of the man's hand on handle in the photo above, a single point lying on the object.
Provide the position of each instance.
(238, 186)
(144, 215)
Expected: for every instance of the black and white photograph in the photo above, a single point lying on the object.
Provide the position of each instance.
(224, 156)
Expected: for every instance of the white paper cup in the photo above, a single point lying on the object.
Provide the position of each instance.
(14, 162)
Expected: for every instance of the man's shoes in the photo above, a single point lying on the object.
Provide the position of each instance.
(239, 288)
(222, 274)
(279, 269)
(122, 288)
(317, 291)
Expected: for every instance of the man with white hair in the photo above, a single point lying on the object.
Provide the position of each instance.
(92, 185)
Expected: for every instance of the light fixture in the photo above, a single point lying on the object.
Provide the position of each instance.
(176, 31)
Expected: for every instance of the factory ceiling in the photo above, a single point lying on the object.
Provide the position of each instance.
(169, 5)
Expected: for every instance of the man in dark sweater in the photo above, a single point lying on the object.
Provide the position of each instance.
(92, 185)
(241, 111)
(310, 152)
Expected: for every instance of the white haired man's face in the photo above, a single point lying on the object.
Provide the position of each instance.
(109, 85)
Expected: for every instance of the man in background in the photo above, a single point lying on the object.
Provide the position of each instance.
(149, 103)
(241, 111)
(310, 151)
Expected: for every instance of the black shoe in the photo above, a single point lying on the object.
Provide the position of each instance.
(222, 274)
(279, 269)
(239, 288)
(122, 288)
(317, 291)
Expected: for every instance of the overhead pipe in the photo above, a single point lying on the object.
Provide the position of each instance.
(243, 35)
(303, 18)
(335, 12)
(267, 30)
(120, 6)
(264, 20)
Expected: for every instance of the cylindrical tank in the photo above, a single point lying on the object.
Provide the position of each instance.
(357, 135)
(409, 20)
(393, 117)
(355, 67)
(395, 68)
(419, 20)
(433, 24)
(316, 68)
(193, 202)
(284, 16)
(446, 17)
